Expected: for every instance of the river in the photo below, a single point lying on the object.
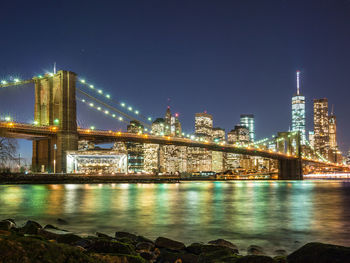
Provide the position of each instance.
(272, 214)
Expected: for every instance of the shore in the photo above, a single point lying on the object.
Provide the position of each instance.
(33, 242)
(97, 179)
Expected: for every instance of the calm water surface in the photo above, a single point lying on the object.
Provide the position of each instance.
(271, 214)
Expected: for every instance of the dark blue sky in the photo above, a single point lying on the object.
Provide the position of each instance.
(226, 57)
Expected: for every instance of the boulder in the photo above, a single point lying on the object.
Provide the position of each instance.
(121, 234)
(101, 235)
(255, 250)
(195, 248)
(110, 246)
(31, 228)
(280, 259)
(223, 243)
(163, 242)
(211, 254)
(146, 255)
(173, 256)
(255, 259)
(7, 225)
(144, 239)
(144, 246)
(320, 253)
(68, 238)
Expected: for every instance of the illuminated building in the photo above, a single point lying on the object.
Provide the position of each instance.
(240, 135)
(247, 120)
(168, 122)
(200, 159)
(218, 157)
(333, 132)
(177, 125)
(321, 126)
(298, 113)
(135, 150)
(158, 127)
(152, 151)
(96, 162)
(348, 158)
(312, 138)
(204, 125)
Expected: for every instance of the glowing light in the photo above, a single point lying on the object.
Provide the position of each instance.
(82, 80)
(16, 80)
(7, 118)
(83, 100)
(113, 115)
(122, 104)
(56, 121)
(149, 118)
(91, 104)
(136, 112)
(120, 118)
(130, 108)
(100, 91)
(91, 86)
(107, 112)
(108, 96)
(3, 82)
(98, 108)
(35, 122)
(92, 127)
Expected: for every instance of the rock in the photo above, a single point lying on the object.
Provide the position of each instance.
(195, 248)
(62, 221)
(144, 246)
(101, 235)
(172, 256)
(255, 259)
(212, 253)
(107, 246)
(52, 233)
(163, 242)
(26, 249)
(320, 253)
(68, 238)
(146, 255)
(280, 252)
(280, 259)
(51, 227)
(121, 234)
(223, 243)
(255, 250)
(7, 225)
(31, 228)
(84, 242)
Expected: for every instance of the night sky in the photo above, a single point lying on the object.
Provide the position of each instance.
(225, 57)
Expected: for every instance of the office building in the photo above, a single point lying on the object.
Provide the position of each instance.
(298, 113)
(247, 120)
(321, 126)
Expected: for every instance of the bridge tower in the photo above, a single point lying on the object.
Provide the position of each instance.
(55, 105)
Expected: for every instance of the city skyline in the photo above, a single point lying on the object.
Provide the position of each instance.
(203, 63)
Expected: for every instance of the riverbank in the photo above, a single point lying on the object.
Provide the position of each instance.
(98, 179)
(35, 243)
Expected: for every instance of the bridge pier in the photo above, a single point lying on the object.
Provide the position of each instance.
(55, 105)
(290, 169)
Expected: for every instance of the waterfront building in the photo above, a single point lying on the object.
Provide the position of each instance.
(321, 126)
(218, 136)
(247, 120)
(348, 158)
(135, 149)
(298, 113)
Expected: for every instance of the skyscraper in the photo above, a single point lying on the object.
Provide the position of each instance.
(321, 126)
(204, 125)
(247, 120)
(298, 112)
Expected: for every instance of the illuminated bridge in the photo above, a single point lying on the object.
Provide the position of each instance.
(55, 130)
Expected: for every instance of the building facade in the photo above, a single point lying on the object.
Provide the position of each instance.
(247, 120)
(321, 126)
(298, 113)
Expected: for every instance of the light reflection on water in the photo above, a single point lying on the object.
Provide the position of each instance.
(273, 214)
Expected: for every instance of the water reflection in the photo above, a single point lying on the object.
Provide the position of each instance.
(268, 213)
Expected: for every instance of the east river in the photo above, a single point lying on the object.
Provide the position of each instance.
(272, 214)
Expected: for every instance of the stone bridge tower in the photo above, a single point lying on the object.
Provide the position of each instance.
(55, 105)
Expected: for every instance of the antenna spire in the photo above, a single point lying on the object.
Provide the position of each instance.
(298, 86)
(54, 68)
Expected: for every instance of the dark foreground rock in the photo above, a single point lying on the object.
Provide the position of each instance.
(320, 253)
(32, 243)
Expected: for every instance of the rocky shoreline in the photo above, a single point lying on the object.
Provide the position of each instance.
(35, 243)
